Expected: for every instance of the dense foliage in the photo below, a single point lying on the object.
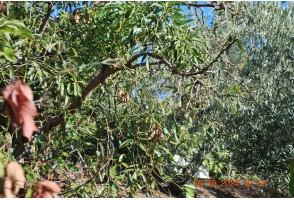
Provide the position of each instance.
(122, 87)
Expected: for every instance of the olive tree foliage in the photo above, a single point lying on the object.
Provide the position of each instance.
(269, 110)
(130, 84)
(254, 112)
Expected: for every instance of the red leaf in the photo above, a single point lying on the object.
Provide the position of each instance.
(19, 105)
(3, 6)
(14, 179)
(46, 189)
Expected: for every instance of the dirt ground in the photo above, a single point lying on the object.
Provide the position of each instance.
(229, 192)
(214, 192)
(218, 191)
(230, 189)
(205, 190)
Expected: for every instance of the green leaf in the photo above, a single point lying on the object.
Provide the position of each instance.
(2, 169)
(164, 148)
(142, 147)
(153, 184)
(125, 165)
(114, 188)
(165, 131)
(65, 154)
(112, 171)
(292, 167)
(156, 5)
(240, 45)
(291, 186)
(134, 176)
(189, 193)
(125, 143)
(176, 136)
(75, 89)
(29, 193)
(30, 179)
(74, 185)
(121, 157)
(189, 190)
(144, 178)
(147, 65)
(8, 53)
(16, 27)
(7, 36)
(74, 51)
(189, 186)
(26, 6)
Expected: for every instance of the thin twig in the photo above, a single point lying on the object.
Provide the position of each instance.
(208, 66)
(150, 64)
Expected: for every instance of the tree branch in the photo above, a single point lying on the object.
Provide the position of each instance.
(162, 59)
(45, 21)
(135, 57)
(144, 64)
(208, 66)
(225, 49)
(109, 67)
(207, 5)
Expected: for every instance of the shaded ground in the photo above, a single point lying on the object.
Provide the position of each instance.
(218, 191)
(67, 177)
(229, 192)
(237, 192)
(222, 192)
(230, 189)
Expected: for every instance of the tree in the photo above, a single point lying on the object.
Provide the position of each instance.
(121, 87)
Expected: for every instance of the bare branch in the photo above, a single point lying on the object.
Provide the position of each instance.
(207, 5)
(45, 21)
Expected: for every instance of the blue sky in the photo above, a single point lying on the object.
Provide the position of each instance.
(207, 11)
(185, 9)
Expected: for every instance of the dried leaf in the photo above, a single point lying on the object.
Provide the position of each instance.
(3, 6)
(20, 107)
(46, 189)
(8, 189)
(51, 186)
(76, 16)
(123, 95)
(154, 134)
(14, 180)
